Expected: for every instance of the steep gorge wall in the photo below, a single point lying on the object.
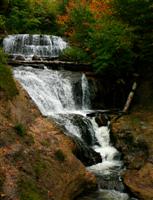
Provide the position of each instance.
(36, 158)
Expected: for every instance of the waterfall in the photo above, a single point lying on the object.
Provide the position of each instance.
(65, 96)
(28, 46)
(86, 104)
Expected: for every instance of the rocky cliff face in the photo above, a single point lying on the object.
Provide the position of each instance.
(133, 136)
(36, 158)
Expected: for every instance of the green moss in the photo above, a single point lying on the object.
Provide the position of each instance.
(7, 83)
(46, 143)
(59, 155)
(28, 189)
(39, 167)
(20, 130)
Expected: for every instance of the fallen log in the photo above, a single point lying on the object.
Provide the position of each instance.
(52, 64)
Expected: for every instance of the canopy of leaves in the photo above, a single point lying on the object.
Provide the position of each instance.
(139, 16)
(112, 47)
(28, 16)
(117, 34)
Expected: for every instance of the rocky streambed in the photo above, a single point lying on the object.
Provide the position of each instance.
(133, 136)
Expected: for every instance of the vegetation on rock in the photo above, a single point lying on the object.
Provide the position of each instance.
(20, 129)
(7, 83)
(60, 155)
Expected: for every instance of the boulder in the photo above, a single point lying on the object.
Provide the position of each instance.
(20, 57)
(35, 57)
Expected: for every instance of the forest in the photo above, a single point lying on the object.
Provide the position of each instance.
(76, 133)
(115, 36)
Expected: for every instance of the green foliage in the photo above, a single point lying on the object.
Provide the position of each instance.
(29, 16)
(120, 41)
(74, 54)
(7, 83)
(81, 20)
(60, 155)
(112, 47)
(138, 15)
(39, 167)
(3, 57)
(20, 129)
(2, 23)
(28, 189)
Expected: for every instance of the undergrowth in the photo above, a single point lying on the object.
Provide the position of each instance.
(7, 83)
(59, 155)
(20, 129)
(28, 189)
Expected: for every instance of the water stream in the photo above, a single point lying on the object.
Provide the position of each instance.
(54, 93)
(27, 46)
(65, 97)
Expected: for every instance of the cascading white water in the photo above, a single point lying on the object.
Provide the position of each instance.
(42, 46)
(53, 92)
(86, 104)
(107, 151)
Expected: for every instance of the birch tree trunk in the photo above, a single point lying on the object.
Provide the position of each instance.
(130, 97)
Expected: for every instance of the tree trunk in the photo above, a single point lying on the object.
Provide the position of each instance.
(130, 97)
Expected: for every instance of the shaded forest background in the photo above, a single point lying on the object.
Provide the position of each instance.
(115, 36)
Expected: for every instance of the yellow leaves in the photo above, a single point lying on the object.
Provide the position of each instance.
(62, 19)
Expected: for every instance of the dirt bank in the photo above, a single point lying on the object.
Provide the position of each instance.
(36, 158)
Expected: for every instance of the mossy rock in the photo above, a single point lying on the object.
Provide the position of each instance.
(28, 189)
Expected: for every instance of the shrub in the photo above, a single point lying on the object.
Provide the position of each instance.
(28, 189)
(3, 57)
(60, 155)
(74, 54)
(7, 83)
(2, 23)
(20, 130)
(112, 47)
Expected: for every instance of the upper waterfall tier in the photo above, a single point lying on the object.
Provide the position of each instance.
(28, 46)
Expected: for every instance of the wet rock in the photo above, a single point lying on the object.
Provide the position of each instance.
(20, 57)
(86, 155)
(135, 153)
(35, 57)
(112, 182)
(101, 119)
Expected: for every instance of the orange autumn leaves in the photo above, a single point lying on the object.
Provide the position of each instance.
(96, 8)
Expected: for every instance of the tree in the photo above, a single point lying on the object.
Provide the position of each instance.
(112, 47)
(29, 16)
(91, 26)
(138, 14)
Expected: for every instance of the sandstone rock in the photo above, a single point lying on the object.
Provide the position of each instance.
(140, 182)
(34, 169)
(133, 136)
